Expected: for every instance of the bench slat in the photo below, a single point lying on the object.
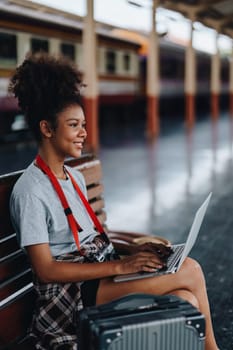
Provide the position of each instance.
(8, 245)
(12, 285)
(102, 217)
(12, 266)
(97, 205)
(6, 184)
(95, 191)
(92, 174)
(15, 318)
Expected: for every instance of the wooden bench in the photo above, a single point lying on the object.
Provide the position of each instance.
(16, 289)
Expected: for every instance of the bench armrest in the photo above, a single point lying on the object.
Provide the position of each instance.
(126, 237)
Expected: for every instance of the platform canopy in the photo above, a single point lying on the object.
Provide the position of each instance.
(216, 14)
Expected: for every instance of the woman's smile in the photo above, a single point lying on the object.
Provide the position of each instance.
(70, 134)
(79, 144)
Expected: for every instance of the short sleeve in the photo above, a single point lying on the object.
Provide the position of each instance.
(30, 219)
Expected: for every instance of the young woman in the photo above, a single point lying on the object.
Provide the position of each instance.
(59, 238)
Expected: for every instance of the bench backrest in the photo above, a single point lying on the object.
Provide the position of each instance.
(16, 290)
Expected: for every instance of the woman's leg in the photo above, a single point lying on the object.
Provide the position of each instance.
(186, 295)
(188, 283)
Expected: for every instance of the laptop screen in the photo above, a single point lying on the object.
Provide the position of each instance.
(193, 233)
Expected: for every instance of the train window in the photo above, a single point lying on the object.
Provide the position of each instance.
(224, 71)
(203, 68)
(126, 62)
(39, 45)
(8, 50)
(171, 67)
(167, 67)
(68, 50)
(110, 57)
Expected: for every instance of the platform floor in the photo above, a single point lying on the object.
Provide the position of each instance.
(157, 187)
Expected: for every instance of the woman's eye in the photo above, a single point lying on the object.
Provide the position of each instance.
(77, 125)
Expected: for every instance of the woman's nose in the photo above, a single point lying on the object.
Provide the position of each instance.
(83, 132)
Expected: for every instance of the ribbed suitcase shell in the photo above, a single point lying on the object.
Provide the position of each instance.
(142, 322)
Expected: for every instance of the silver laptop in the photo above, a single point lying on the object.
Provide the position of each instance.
(180, 251)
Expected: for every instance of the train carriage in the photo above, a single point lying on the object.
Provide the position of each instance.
(121, 65)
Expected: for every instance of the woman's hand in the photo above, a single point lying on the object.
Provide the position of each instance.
(141, 261)
(160, 250)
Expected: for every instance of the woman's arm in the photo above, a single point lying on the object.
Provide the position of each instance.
(49, 270)
(161, 250)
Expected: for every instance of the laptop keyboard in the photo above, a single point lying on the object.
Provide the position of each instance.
(174, 258)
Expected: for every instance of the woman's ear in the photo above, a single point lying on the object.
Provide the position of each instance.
(45, 129)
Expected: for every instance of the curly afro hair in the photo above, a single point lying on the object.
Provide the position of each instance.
(44, 86)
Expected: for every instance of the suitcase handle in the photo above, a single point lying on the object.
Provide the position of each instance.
(136, 301)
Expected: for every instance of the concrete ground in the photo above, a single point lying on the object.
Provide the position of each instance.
(157, 188)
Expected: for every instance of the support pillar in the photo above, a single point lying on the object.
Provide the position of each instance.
(153, 80)
(23, 47)
(215, 82)
(231, 85)
(54, 47)
(90, 79)
(215, 105)
(190, 82)
(231, 104)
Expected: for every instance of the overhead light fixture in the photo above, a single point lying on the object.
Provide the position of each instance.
(142, 3)
(134, 3)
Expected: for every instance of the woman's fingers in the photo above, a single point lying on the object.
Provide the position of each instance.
(142, 261)
(162, 251)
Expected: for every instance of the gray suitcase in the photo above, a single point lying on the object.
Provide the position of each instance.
(142, 322)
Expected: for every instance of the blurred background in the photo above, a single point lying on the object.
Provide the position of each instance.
(148, 65)
(159, 110)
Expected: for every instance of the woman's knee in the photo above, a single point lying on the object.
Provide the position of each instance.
(188, 296)
(193, 265)
(194, 272)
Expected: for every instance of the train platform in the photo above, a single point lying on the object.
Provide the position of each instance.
(157, 188)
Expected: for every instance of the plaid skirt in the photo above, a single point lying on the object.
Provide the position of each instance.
(54, 325)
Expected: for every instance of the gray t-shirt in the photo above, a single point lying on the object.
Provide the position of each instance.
(38, 216)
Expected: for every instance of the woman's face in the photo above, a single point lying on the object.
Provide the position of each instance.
(68, 137)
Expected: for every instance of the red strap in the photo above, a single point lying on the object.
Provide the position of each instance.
(89, 209)
(74, 226)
